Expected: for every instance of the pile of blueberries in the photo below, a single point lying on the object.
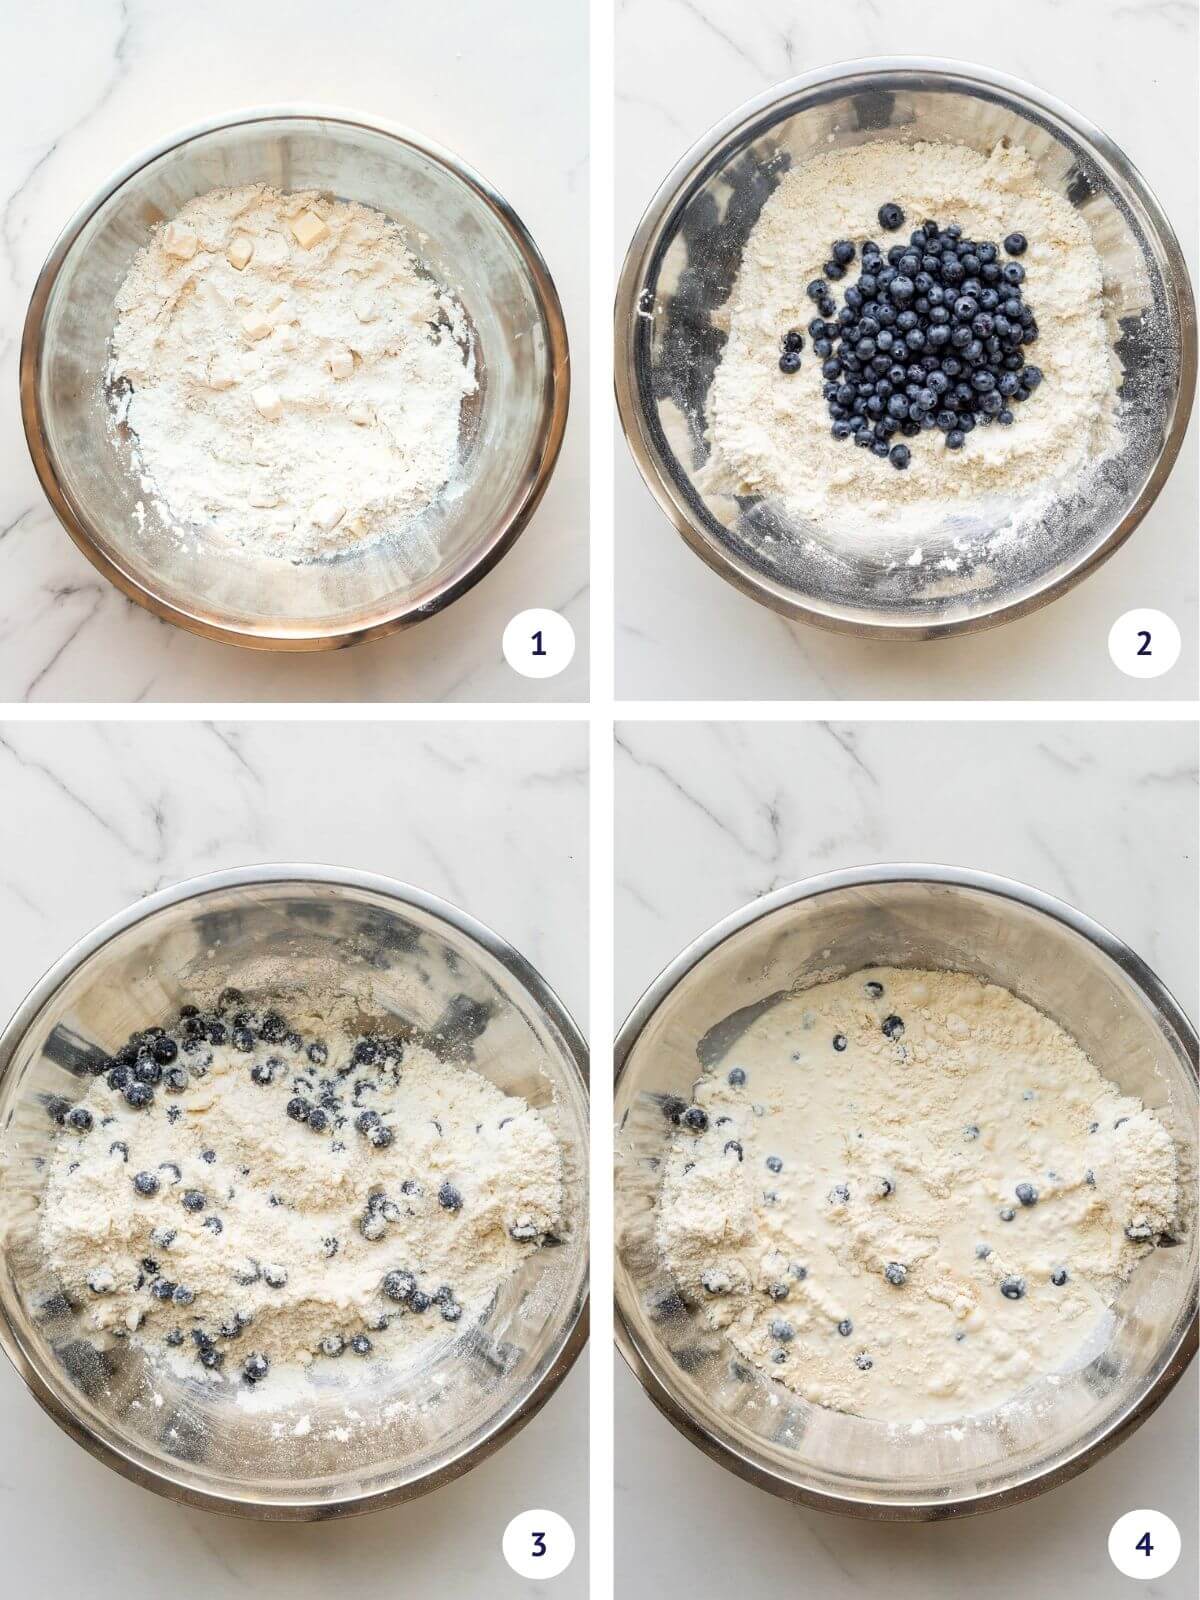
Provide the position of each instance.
(929, 337)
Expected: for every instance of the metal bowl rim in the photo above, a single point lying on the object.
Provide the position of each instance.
(639, 1358)
(571, 1337)
(261, 636)
(726, 135)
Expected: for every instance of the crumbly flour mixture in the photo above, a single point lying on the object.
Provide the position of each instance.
(770, 431)
(280, 1198)
(909, 1194)
(292, 378)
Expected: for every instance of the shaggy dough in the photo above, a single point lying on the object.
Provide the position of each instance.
(851, 1212)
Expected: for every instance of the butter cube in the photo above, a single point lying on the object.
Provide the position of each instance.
(341, 363)
(268, 402)
(180, 241)
(327, 512)
(241, 248)
(309, 229)
(285, 336)
(221, 374)
(362, 416)
(256, 325)
(364, 305)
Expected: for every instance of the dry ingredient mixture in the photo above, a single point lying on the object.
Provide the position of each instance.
(909, 1194)
(292, 377)
(955, 271)
(244, 1195)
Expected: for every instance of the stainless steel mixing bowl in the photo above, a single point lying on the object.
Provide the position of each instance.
(908, 916)
(680, 270)
(470, 240)
(275, 932)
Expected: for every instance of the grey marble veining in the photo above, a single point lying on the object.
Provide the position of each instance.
(681, 65)
(89, 83)
(710, 816)
(491, 817)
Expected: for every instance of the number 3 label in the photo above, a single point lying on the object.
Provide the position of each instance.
(1144, 644)
(539, 1544)
(538, 643)
(1144, 1544)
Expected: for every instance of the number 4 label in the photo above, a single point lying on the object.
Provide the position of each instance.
(1144, 1544)
(539, 1544)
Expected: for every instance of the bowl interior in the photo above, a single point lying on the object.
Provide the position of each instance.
(1001, 556)
(367, 1433)
(504, 434)
(905, 924)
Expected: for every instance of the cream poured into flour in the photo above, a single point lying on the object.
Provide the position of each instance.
(292, 378)
(913, 1195)
(770, 431)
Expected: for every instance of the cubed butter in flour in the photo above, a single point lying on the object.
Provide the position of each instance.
(241, 248)
(221, 373)
(341, 363)
(361, 415)
(268, 402)
(309, 229)
(327, 512)
(285, 336)
(365, 308)
(179, 240)
(256, 325)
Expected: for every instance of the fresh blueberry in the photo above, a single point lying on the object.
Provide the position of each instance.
(843, 252)
(840, 1041)
(360, 1344)
(298, 1108)
(971, 1131)
(737, 1078)
(789, 361)
(793, 339)
(1007, 1213)
(164, 1051)
(863, 1362)
(79, 1118)
(1016, 244)
(874, 989)
(1026, 1194)
(891, 217)
(782, 1330)
(399, 1286)
(145, 1183)
(1058, 1277)
(896, 1274)
(900, 456)
(332, 1344)
(214, 1224)
(419, 1301)
(695, 1118)
(735, 1146)
(243, 1040)
(779, 1291)
(892, 1027)
(255, 1368)
(274, 1276)
(449, 1198)
(318, 1119)
(451, 1311)
(1013, 1288)
(193, 1200)
(774, 1164)
(273, 1028)
(380, 1136)
(264, 1072)
(845, 1327)
(982, 1252)
(183, 1296)
(839, 1194)
(318, 1053)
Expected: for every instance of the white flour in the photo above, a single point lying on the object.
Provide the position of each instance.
(902, 1156)
(297, 1230)
(296, 380)
(770, 431)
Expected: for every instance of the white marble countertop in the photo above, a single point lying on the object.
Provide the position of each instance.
(86, 85)
(97, 816)
(710, 816)
(683, 632)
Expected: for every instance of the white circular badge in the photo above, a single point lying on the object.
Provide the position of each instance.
(1144, 1544)
(539, 643)
(1144, 643)
(539, 1544)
